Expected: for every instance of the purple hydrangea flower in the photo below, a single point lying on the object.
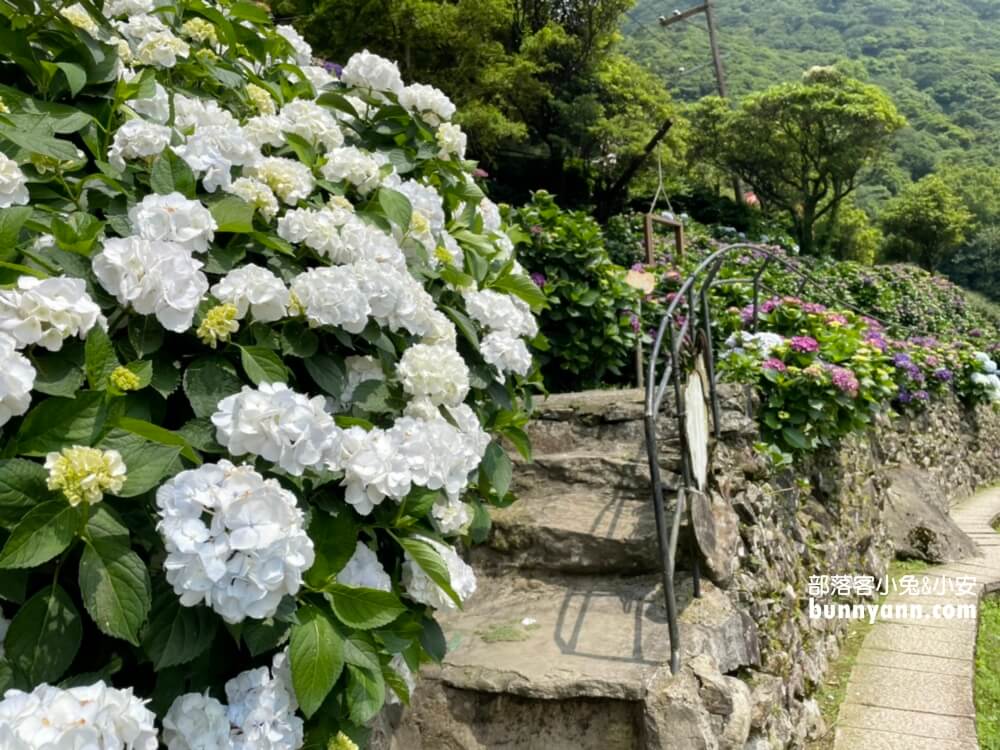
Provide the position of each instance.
(944, 375)
(845, 380)
(538, 278)
(775, 364)
(804, 344)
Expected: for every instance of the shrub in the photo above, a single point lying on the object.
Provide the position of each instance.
(592, 324)
(260, 329)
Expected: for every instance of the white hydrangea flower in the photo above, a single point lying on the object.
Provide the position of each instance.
(128, 7)
(196, 721)
(434, 371)
(311, 121)
(369, 71)
(506, 352)
(490, 212)
(360, 168)
(427, 202)
(161, 49)
(364, 570)
(451, 515)
(430, 103)
(363, 241)
(17, 378)
(257, 194)
(291, 180)
(193, 113)
(332, 296)
(138, 139)
(235, 541)
(139, 26)
(276, 423)
(13, 183)
(318, 229)
(155, 108)
(318, 76)
(77, 15)
(422, 589)
(174, 218)
(374, 468)
(501, 312)
(302, 52)
(256, 290)
(265, 130)
(451, 141)
(79, 718)
(213, 150)
(262, 708)
(48, 311)
(986, 362)
(155, 278)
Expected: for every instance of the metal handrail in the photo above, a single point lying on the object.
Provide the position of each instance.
(682, 341)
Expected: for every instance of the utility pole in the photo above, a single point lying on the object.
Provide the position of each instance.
(720, 73)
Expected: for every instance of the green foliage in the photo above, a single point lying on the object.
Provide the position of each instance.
(925, 224)
(987, 690)
(541, 91)
(801, 146)
(588, 327)
(83, 576)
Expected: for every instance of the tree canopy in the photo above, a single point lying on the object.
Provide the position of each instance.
(926, 223)
(801, 146)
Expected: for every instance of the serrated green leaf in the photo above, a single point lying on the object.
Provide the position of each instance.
(396, 207)
(365, 693)
(496, 468)
(263, 365)
(362, 608)
(157, 434)
(147, 464)
(171, 174)
(232, 214)
(58, 422)
(328, 373)
(44, 532)
(22, 487)
(176, 634)
(334, 541)
(209, 380)
(317, 658)
(145, 334)
(115, 586)
(101, 359)
(522, 286)
(44, 636)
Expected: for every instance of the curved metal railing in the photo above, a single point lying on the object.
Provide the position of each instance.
(688, 336)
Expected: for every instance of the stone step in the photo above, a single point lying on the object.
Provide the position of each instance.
(571, 660)
(576, 531)
(610, 470)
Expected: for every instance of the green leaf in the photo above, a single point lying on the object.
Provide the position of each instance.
(101, 359)
(200, 434)
(249, 11)
(328, 373)
(334, 541)
(58, 422)
(262, 636)
(171, 174)
(44, 636)
(22, 487)
(363, 608)
(160, 435)
(317, 656)
(520, 440)
(176, 634)
(115, 586)
(147, 463)
(77, 235)
(262, 365)
(428, 559)
(145, 334)
(365, 693)
(14, 585)
(209, 380)
(58, 373)
(142, 369)
(496, 468)
(794, 437)
(11, 221)
(44, 532)
(433, 640)
(522, 286)
(464, 325)
(232, 214)
(38, 143)
(396, 207)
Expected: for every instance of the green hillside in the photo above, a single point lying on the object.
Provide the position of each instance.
(938, 61)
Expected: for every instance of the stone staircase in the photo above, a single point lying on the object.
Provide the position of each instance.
(565, 644)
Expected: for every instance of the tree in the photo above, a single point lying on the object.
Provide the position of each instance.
(799, 145)
(976, 265)
(545, 99)
(926, 223)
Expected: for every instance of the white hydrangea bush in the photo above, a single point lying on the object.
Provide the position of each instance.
(262, 335)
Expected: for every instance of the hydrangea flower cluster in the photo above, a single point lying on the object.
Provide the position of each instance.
(257, 317)
(96, 716)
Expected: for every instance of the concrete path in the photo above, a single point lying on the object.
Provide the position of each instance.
(911, 687)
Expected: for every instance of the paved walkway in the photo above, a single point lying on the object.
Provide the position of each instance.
(911, 687)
